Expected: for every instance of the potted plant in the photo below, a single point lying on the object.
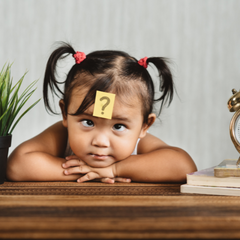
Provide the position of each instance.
(10, 105)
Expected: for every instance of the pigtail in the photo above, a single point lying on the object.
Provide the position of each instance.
(50, 80)
(166, 81)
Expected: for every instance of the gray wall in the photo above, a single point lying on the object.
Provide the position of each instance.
(202, 38)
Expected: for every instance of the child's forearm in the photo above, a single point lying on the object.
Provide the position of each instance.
(36, 166)
(164, 165)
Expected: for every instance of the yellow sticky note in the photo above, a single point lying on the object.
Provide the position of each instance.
(104, 103)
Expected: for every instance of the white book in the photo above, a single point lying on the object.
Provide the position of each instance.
(204, 182)
(228, 191)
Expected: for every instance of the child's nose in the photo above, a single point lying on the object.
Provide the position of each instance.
(101, 140)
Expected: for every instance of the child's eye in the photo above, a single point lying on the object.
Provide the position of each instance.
(119, 127)
(87, 123)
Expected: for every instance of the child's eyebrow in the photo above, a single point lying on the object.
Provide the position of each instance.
(120, 118)
(86, 113)
(115, 117)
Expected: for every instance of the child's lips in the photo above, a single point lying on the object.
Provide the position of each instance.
(99, 156)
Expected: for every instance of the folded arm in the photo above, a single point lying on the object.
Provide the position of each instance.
(156, 162)
(35, 159)
(41, 158)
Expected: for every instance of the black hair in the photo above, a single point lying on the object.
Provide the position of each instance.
(107, 71)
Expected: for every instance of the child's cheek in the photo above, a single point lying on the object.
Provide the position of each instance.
(124, 150)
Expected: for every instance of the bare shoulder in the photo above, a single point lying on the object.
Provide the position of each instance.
(53, 140)
(150, 143)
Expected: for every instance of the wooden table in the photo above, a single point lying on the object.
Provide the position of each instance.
(56, 210)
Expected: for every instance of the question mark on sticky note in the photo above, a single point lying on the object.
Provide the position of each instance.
(104, 103)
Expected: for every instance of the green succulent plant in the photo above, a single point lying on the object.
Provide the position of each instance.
(11, 103)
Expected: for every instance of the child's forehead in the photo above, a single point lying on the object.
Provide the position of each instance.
(121, 100)
(121, 111)
(127, 99)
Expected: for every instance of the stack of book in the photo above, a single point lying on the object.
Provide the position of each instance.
(223, 179)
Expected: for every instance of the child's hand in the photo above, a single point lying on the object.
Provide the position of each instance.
(74, 165)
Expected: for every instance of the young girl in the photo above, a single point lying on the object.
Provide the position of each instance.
(85, 147)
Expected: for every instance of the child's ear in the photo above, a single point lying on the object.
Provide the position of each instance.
(64, 115)
(146, 126)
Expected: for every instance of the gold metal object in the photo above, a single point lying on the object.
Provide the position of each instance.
(238, 162)
(234, 106)
(234, 101)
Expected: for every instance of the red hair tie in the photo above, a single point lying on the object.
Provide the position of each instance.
(143, 62)
(79, 57)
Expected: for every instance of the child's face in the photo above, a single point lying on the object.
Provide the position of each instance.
(98, 141)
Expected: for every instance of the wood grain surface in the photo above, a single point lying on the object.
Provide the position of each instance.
(68, 210)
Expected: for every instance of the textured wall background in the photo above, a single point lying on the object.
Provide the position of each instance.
(202, 37)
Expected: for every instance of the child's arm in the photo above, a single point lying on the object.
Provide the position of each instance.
(155, 162)
(35, 159)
